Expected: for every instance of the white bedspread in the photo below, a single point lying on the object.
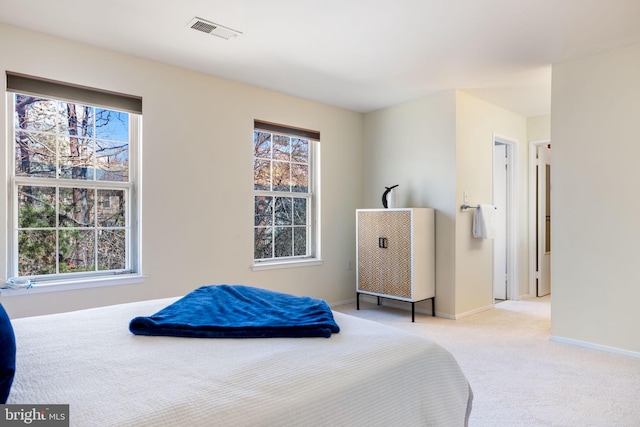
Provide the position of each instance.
(368, 374)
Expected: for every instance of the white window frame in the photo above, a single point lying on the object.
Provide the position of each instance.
(68, 281)
(313, 256)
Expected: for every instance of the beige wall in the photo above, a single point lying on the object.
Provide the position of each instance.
(477, 124)
(197, 175)
(413, 145)
(595, 203)
(539, 128)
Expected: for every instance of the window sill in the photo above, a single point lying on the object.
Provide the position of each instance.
(73, 284)
(286, 264)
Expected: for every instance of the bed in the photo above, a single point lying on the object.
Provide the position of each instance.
(367, 374)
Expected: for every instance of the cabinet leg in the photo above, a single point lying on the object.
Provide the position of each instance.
(413, 311)
(433, 307)
(357, 301)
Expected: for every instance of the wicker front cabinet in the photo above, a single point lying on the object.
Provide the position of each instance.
(396, 255)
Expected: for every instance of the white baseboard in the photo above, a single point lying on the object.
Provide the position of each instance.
(472, 312)
(407, 306)
(345, 302)
(593, 346)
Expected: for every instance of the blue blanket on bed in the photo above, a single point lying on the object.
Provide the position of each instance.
(235, 311)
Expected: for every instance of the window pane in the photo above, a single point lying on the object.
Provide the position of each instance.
(111, 208)
(281, 147)
(35, 154)
(76, 120)
(281, 176)
(299, 178)
(77, 250)
(283, 211)
(37, 252)
(112, 251)
(299, 211)
(299, 150)
(76, 207)
(76, 158)
(112, 125)
(263, 242)
(36, 207)
(300, 241)
(112, 161)
(261, 174)
(283, 242)
(262, 144)
(263, 215)
(35, 114)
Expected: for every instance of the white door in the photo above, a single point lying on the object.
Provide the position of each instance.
(500, 277)
(543, 192)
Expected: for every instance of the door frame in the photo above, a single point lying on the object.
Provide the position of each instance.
(511, 214)
(533, 182)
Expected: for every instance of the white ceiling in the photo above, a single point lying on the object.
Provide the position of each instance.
(358, 54)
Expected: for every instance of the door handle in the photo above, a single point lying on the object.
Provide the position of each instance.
(383, 243)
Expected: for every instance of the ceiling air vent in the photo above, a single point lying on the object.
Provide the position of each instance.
(214, 29)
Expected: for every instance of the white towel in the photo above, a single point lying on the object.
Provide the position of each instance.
(484, 222)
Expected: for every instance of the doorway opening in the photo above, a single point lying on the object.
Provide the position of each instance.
(504, 247)
(540, 223)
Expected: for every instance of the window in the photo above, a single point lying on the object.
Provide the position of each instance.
(73, 179)
(285, 194)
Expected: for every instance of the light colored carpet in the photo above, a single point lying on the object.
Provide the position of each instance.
(521, 378)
